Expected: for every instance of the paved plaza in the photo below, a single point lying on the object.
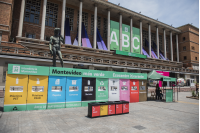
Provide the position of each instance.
(149, 116)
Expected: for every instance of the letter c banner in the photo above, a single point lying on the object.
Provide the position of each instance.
(133, 43)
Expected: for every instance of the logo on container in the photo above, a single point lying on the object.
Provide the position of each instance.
(57, 82)
(16, 69)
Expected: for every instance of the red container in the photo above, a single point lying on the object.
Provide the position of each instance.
(134, 90)
(118, 107)
(95, 111)
(125, 107)
(111, 109)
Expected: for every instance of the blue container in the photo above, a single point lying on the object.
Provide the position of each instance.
(73, 92)
(56, 92)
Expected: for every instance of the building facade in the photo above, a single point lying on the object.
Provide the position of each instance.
(26, 27)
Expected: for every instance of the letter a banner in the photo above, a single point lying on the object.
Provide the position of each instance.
(126, 38)
(114, 35)
(136, 40)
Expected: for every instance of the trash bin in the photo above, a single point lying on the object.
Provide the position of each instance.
(118, 107)
(134, 90)
(111, 108)
(101, 90)
(143, 90)
(125, 107)
(93, 109)
(169, 95)
(113, 90)
(124, 89)
(103, 108)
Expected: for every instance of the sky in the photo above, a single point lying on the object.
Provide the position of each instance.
(171, 12)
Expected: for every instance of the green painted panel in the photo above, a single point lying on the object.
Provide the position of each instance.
(130, 54)
(27, 69)
(73, 104)
(114, 35)
(36, 106)
(101, 89)
(102, 100)
(136, 40)
(126, 38)
(8, 108)
(85, 103)
(55, 105)
(169, 95)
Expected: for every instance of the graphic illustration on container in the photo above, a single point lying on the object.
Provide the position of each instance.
(124, 85)
(56, 92)
(134, 90)
(37, 92)
(73, 92)
(111, 109)
(15, 92)
(103, 110)
(113, 90)
(88, 90)
(143, 90)
(118, 107)
(101, 90)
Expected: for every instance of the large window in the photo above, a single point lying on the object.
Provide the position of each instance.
(28, 35)
(84, 20)
(69, 12)
(51, 14)
(32, 11)
(98, 24)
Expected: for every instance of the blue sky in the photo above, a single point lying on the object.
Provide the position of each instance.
(175, 12)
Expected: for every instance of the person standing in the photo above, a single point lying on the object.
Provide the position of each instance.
(157, 92)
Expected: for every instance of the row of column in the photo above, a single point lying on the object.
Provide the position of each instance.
(95, 29)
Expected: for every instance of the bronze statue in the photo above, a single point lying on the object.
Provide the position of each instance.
(55, 41)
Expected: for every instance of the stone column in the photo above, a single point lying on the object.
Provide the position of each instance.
(43, 20)
(120, 32)
(95, 27)
(149, 40)
(141, 37)
(21, 18)
(177, 50)
(171, 46)
(63, 18)
(164, 34)
(80, 23)
(108, 31)
(131, 30)
(157, 42)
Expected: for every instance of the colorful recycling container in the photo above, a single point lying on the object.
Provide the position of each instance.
(15, 92)
(125, 107)
(73, 92)
(113, 90)
(88, 91)
(124, 85)
(118, 107)
(93, 109)
(37, 92)
(103, 108)
(134, 90)
(101, 90)
(111, 108)
(56, 92)
(143, 90)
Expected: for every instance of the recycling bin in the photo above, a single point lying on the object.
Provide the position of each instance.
(169, 95)
(73, 92)
(103, 108)
(101, 90)
(111, 108)
(118, 107)
(134, 90)
(125, 107)
(124, 85)
(56, 92)
(93, 109)
(15, 92)
(113, 90)
(88, 91)
(37, 92)
(143, 90)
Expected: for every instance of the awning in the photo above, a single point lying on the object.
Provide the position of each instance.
(153, 75)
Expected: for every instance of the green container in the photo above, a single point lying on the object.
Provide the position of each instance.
(101, 90)
(169, 95)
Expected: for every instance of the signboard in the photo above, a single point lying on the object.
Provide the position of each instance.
(136, 40)
(114, 35)
(169, 95)
(27, 69)
(130, 54)
(126, 38)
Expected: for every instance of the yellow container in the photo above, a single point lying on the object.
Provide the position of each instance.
(103, 110)
(15, 92)
(37, 92)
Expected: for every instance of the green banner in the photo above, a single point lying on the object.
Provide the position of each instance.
(169, 95)
(114, 35)
(59, 71)
(136, 40)
(36, 106)
(130, 54)
(17, 107)
(126, 38)
(101, 89)
(27, 69)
